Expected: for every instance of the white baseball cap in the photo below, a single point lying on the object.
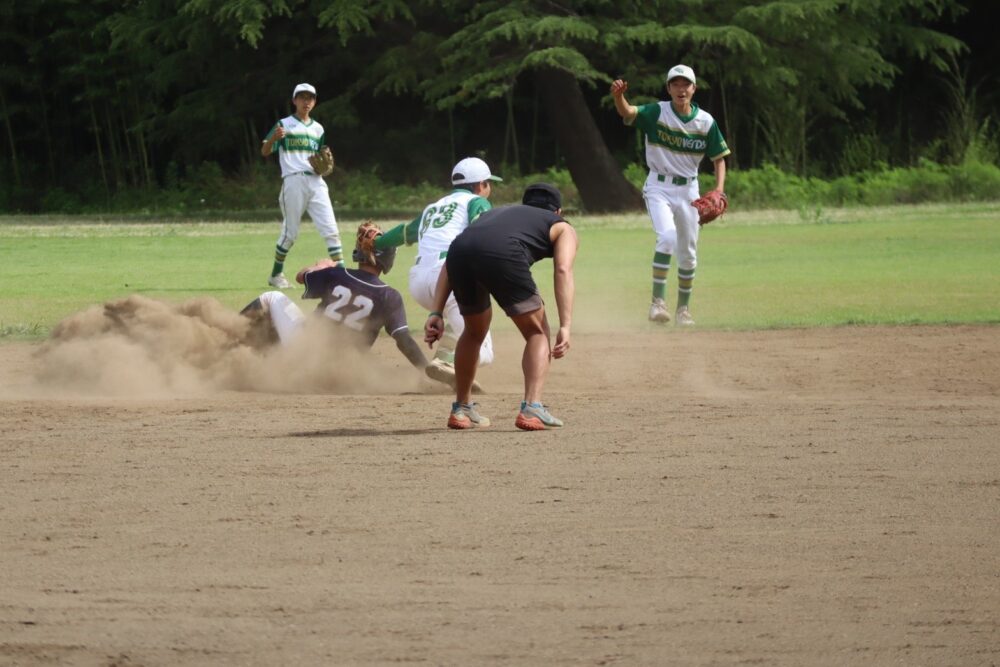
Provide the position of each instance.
(472, 170)
(681, 71)
(303, 88)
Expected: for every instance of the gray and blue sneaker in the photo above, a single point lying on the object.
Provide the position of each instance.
(465, 415)
(534, 417)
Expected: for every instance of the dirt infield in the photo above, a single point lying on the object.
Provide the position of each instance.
(796, 497)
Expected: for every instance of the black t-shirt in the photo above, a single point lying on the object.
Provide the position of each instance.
(516, 229)
(357, 300)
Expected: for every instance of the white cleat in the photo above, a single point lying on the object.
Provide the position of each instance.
(279, 281)
(683, 317)
(658, 311)
(444, 371)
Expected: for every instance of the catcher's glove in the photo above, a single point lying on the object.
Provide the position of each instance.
(711, 206)
(322, 162)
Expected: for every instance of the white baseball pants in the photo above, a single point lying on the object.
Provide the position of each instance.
(302, 193)
(675, 221)
(423, 283)
(285, 314)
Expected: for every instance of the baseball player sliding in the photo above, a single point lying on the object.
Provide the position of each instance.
(678, 135)
(356, 300)
(298, 138)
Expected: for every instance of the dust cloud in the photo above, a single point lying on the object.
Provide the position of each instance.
(143, 347)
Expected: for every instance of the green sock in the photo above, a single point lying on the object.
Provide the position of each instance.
(685, 279)
(279, 260)
(446, 349)
(336, 254)
(661, 265)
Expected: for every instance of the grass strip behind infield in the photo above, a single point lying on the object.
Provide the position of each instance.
(906, 264)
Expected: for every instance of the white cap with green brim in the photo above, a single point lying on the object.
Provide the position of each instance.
(682, 71)
(472, 170)
(303, 88)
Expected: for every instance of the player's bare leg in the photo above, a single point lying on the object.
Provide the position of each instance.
(467, 353)
(535, 360)
(534, 326)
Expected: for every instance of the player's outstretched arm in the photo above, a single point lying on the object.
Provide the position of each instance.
(406, 232)
(410, 349)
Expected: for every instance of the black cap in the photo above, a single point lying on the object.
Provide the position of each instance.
(542, 195)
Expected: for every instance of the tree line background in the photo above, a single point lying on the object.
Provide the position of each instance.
(105, 98)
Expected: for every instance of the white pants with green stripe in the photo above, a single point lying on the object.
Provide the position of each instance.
(423, 282)
(301, 194)
(675, 221)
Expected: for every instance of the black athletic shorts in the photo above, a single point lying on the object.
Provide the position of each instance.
(475, 276)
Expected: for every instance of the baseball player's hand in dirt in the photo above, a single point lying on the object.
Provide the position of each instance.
(562, 343)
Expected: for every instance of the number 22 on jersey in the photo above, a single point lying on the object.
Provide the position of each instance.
(343, 297)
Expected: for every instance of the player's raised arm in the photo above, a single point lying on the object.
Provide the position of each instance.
(276, 135)
(624, 109)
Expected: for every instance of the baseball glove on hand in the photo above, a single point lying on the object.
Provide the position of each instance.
(711, 206)
(368, 231)
(322, 162)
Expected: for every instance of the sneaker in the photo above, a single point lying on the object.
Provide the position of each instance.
(279, 281)
(534, 417)
(658, 311)
(466, 416)
(444, 371)
(683, 317)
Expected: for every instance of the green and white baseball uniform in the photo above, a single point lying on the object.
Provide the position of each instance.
(675, 146)
(302, 190)
(434, 231)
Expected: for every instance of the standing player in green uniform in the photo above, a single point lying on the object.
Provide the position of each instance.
(296, 138)
(678, 135)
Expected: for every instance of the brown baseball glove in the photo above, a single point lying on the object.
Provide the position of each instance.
(711, 206)
(368, 231)
(322, 162)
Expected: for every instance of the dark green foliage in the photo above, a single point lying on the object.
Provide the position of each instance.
(103, 100)
(209, 194)
(769, 187)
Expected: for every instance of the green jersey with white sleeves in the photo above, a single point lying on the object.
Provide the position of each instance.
(675, 144)
(300, 141)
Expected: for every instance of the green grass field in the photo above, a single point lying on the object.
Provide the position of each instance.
(914, 264)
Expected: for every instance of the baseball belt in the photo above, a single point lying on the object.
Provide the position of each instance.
(441, 255)
(675, 180)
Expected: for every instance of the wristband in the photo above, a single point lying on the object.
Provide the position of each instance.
(434, 313)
